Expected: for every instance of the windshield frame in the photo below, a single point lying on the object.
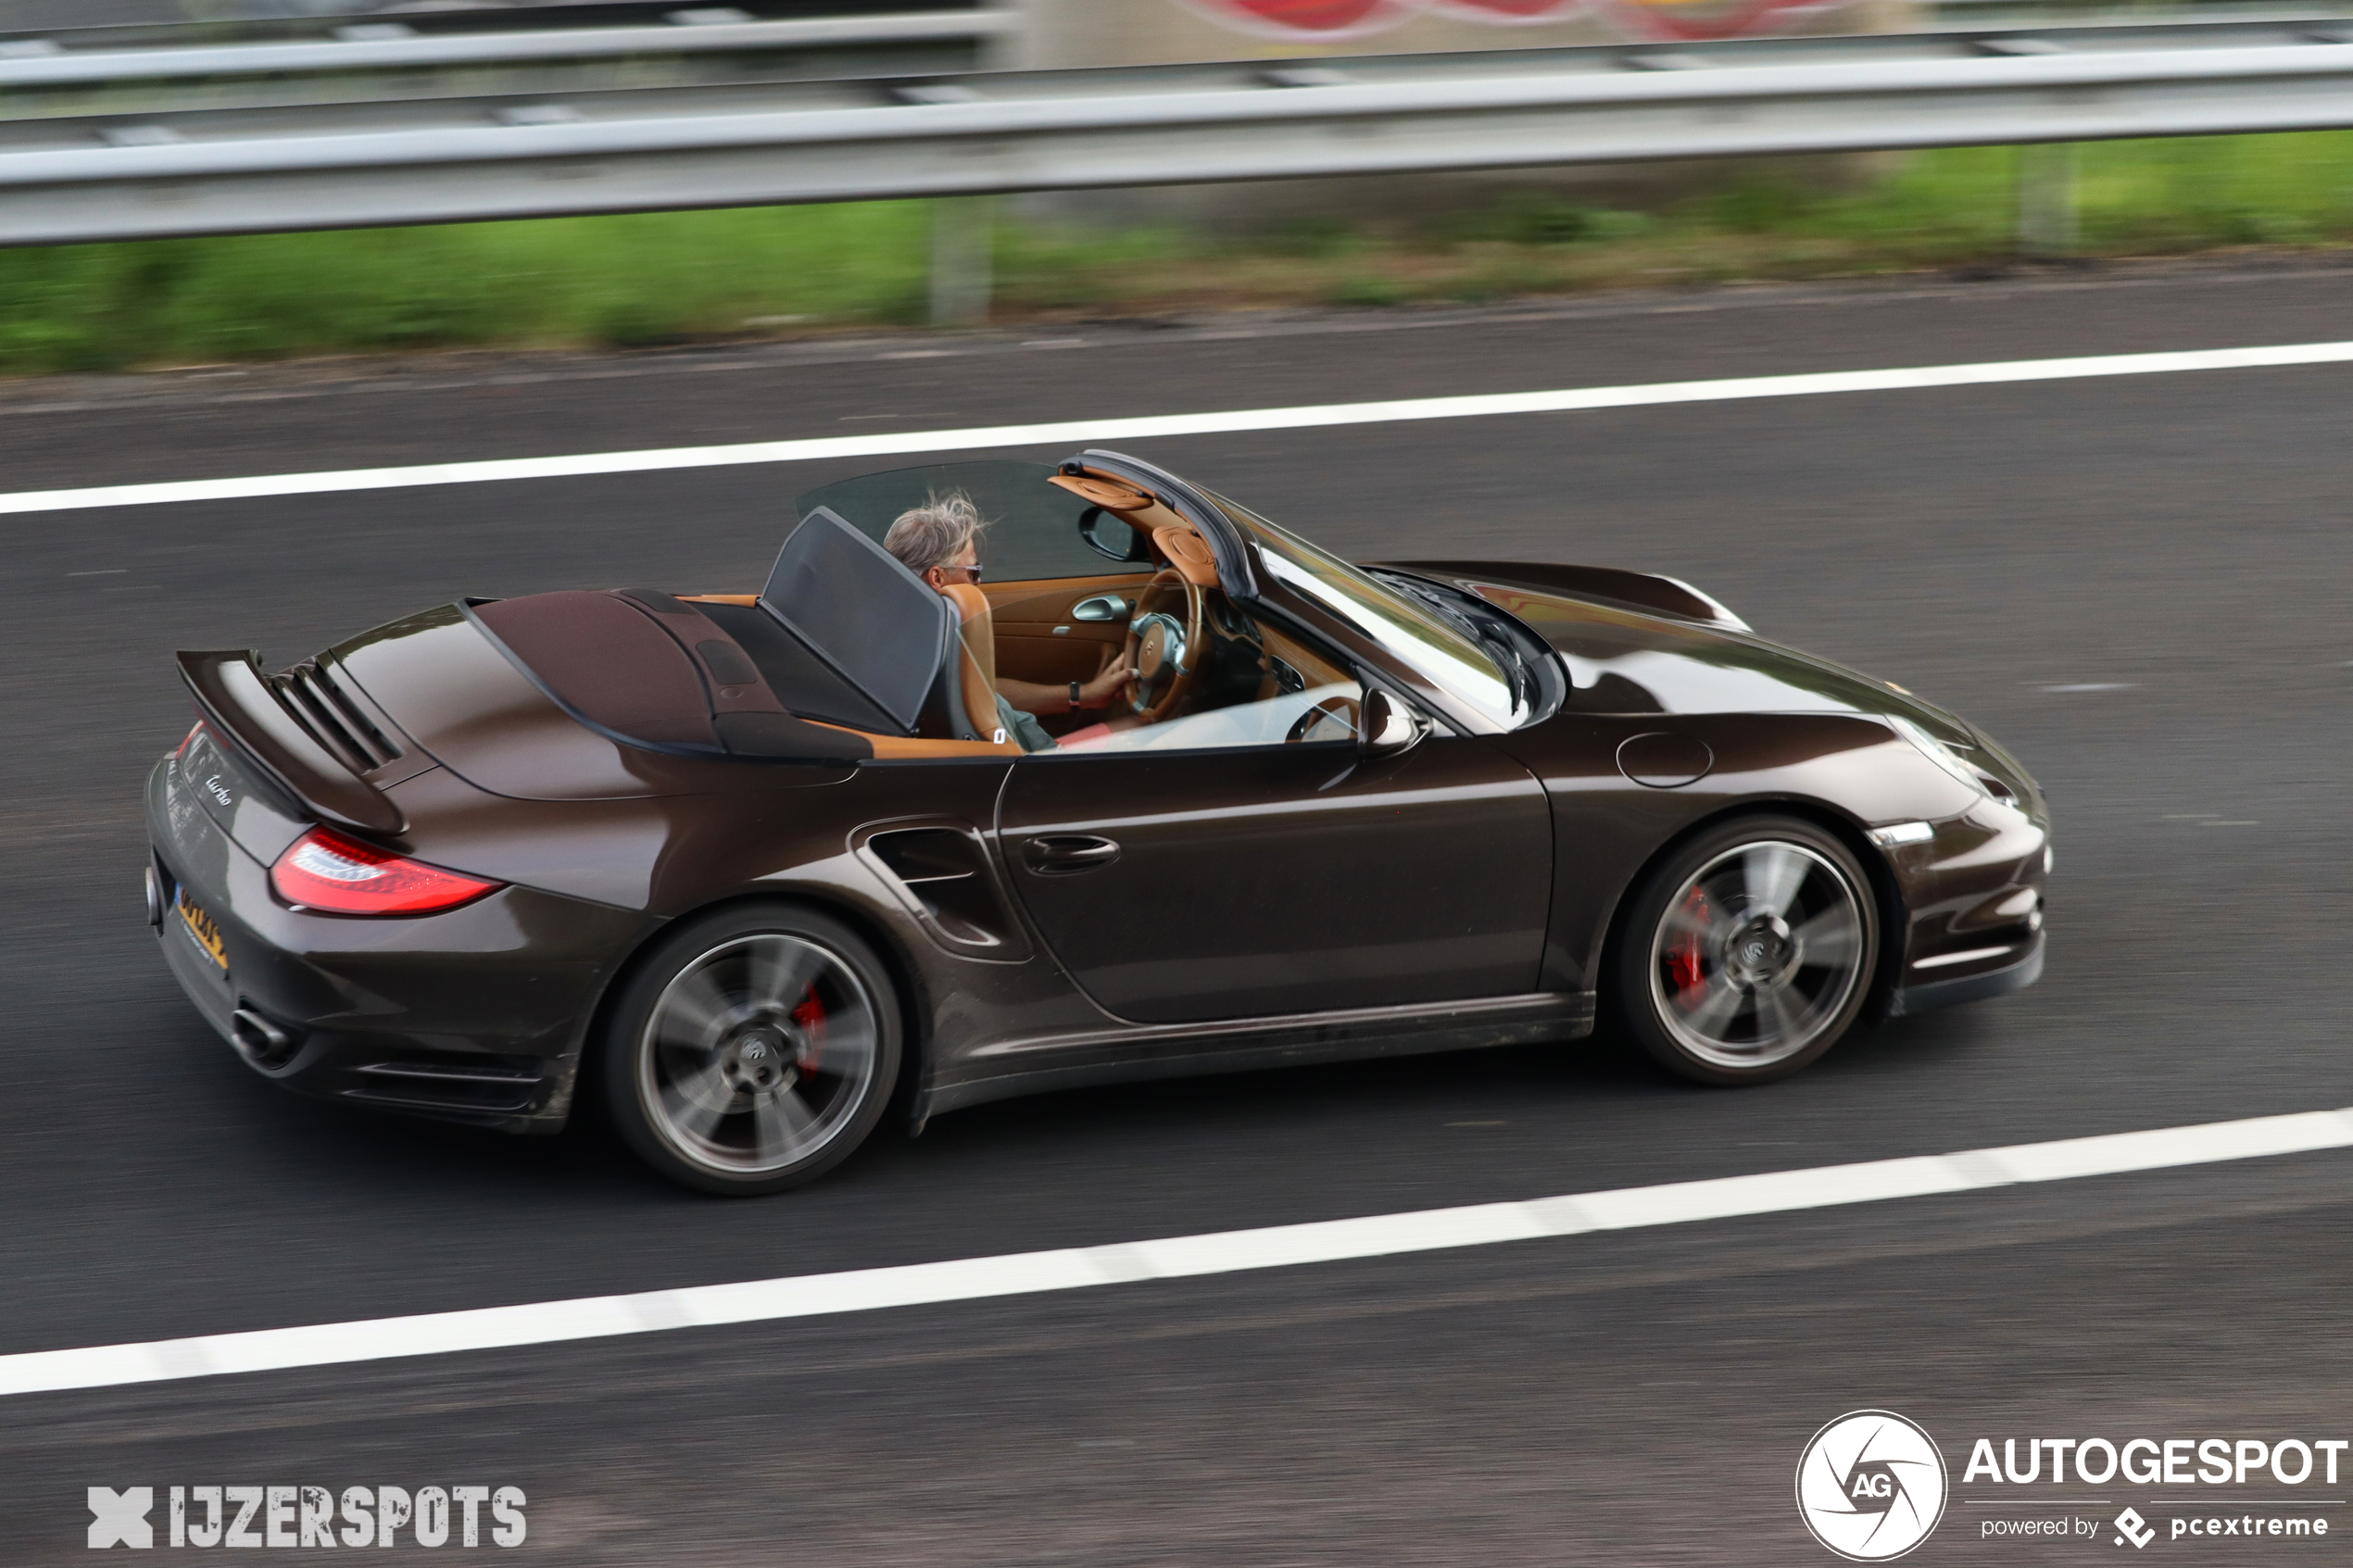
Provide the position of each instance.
(1455, 674)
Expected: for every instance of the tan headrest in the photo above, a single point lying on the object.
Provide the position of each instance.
(971, 602)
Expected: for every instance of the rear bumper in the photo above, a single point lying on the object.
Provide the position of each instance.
(1927, 996)
(477, 1016)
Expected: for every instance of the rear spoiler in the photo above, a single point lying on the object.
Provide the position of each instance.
(236, 699)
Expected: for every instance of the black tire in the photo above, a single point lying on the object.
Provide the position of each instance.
(752, 1049)
(1747, 953)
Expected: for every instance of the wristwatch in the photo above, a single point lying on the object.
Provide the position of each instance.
(1074, 696)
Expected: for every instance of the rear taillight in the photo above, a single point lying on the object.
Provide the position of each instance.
(193, 730)
(325, 871)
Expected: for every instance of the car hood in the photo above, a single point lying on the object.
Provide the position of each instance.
(1628, 660)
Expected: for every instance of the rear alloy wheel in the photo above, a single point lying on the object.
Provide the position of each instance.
(754, 1050)
(1749, 953)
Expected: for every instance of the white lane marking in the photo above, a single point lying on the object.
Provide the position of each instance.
(1070, 431)
(1970, 957)
(1023, 1273)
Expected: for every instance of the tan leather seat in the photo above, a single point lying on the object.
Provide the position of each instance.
(977, 633)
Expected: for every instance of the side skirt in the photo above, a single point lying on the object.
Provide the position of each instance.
(1144, 1052)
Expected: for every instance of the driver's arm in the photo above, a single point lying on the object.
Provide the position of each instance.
(1031, 698)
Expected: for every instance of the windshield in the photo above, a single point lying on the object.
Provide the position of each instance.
(1443, 656)
(1033, 528)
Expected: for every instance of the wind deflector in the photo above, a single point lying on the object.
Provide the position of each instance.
(850, 602)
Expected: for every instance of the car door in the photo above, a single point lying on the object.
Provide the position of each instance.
(1181, 886)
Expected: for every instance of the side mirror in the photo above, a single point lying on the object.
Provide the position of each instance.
(1108, 534)
(1389, 727)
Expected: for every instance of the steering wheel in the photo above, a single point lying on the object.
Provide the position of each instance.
(1165, 653)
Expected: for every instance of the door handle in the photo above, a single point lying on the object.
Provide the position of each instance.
(1065, 854)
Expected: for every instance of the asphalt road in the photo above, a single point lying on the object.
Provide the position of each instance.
(2177, 542)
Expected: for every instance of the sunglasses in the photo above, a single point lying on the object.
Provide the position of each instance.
(972, 573)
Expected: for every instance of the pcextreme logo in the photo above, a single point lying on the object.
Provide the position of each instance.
(1871, 1485)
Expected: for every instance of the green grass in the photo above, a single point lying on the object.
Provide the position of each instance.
(600, 281)
(2133, 197)
(634, 281)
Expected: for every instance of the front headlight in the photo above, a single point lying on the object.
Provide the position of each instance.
(1938, 752)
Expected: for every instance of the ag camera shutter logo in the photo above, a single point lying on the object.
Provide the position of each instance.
(1871, 1485)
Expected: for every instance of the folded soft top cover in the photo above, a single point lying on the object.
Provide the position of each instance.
(660, 672)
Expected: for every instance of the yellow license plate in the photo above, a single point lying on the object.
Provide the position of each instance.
(203, 929)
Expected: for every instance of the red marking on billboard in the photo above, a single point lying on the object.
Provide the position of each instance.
(1507, 12)
(1314, 18)
(1329, 20)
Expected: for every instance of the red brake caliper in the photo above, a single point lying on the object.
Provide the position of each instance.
(1683, 953)
(810, 1016)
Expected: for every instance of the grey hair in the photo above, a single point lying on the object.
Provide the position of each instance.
(935, 532)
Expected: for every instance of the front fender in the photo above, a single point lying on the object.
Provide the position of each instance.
(1607, 827)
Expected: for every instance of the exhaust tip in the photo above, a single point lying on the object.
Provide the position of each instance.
(156, 905)
(260, 1041)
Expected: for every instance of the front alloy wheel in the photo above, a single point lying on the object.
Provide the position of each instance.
(753, 1051)
(1749, 953)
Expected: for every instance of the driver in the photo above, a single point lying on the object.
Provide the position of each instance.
(940, 542)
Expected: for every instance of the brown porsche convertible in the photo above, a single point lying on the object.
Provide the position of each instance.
(758, 868)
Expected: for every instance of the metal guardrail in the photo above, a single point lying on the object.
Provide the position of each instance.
(327, 166)
(162, 69)
(397, 46)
